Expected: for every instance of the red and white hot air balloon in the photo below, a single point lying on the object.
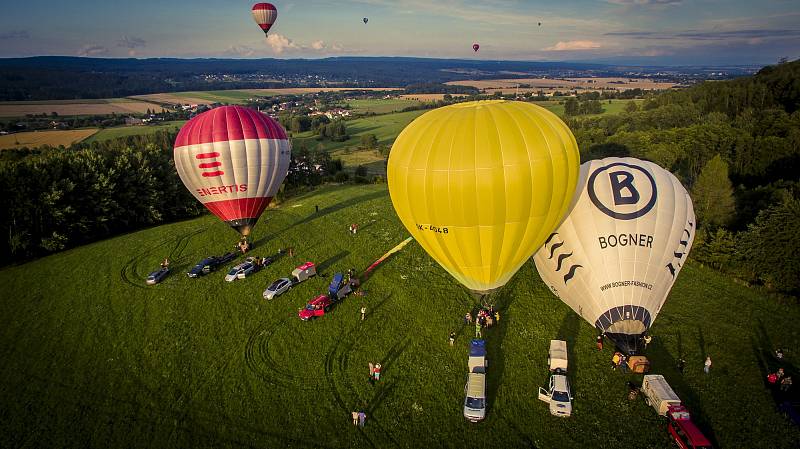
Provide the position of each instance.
(265, 14)
(476, 46)
(233, 159)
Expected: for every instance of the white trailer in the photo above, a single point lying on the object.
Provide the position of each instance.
(659, 394)
(557, 356)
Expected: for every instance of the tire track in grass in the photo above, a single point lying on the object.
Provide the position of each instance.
(261, 363)
(130, 272)
(337, 362)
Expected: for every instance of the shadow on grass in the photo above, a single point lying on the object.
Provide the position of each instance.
(567, 332)
(323, 267)
(668, 367)
(494, 344)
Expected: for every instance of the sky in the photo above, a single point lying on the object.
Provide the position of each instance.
(659, 32)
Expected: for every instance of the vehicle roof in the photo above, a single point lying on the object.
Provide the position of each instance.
(659, 385)
(695, 436)
(558, 349)
(306, 266)
(560, 382)
(476, 385)
(318, 299)
(477, 350)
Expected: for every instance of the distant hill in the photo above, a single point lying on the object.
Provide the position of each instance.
(62, 77)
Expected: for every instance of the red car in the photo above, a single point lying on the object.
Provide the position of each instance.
(315, 308)
(684, 431)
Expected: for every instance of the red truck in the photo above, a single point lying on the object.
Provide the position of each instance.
(663, 399)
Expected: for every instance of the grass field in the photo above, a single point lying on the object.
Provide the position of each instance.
(239, 96)
(94, 358)
(552, 84)
(380, 106)
(125, 131)
(54, 138)
(76, 107)
(615, 107)
(385, 127)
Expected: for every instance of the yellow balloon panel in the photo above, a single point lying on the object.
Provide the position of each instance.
(480, 185)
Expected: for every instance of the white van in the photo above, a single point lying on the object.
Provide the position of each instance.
(558, 396)
(475, 402)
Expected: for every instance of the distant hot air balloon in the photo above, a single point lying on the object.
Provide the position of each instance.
(540, 23)
(476, 46)
(480, 185)
(265, 14)
(614, 258)
(233, 159)
(366, 20)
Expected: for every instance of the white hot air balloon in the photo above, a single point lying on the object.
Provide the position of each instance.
(615, 256)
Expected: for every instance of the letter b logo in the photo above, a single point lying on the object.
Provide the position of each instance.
(622, 185)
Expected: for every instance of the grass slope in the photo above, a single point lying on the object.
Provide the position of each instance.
(380, 106)
(94, 358)
(33, 139)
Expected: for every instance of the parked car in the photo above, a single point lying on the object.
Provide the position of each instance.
(304, 272)
(475, 401)
(315, 308)
(684, 431)
(244, 269)
(475, 390)
(157, 276)
(277, 288)
(339, 288)
(659, 395)
(557, 395)
(210, 264)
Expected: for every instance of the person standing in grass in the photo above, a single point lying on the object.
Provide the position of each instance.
(468, 318)
(681, 365)
(647, 339)
(615, 360)
(477, 329)
(355, 418)
(371, 373)
(377, 372)
(786, 383)
(452, 338)
(363, 312)
(600, 342)
(362, 417)
(707, 364)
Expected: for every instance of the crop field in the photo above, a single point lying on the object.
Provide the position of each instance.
(92, 357)
(54, 138)
(76, 107)
(237, 96)
(427, 98)
(125, 131)
(609, 106)
(550, 84)
(381, 106)
(385, 127)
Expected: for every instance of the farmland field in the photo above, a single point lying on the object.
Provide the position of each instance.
(54, 138)
(94, 358)
(76, 107)
(124, 131)
(550, 84)
(380, 106)
(614, 107)
(238, 96)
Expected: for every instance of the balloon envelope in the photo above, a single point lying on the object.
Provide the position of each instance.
(233, 159)
(366, 19)
(476, 46)
(616, 255)
(264, 14)
(480, 185)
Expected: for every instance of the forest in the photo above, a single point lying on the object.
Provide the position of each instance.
(734, 144)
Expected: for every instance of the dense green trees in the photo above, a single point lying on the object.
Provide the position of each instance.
(58, 197)
(713, 195)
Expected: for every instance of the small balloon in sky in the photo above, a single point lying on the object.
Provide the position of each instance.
(265, 14)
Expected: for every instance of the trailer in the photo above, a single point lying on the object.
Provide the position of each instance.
(557, 358)
(658, 394)
(304, 272)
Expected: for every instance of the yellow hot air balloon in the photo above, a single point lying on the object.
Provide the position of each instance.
(480, 185)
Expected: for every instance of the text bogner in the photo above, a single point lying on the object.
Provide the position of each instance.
(615, 240)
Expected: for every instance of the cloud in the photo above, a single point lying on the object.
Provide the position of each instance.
(131, 42)
(17, 34)
(318, 45)
(240, 51)
(280, 43)
(92, 50)
(645, 2)
(573, 45)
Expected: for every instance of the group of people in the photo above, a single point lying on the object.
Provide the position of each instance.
(359, 418)
(619, 360)
(486, 317)
(779, 379)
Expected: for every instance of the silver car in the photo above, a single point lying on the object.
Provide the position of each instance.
(277, 288)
